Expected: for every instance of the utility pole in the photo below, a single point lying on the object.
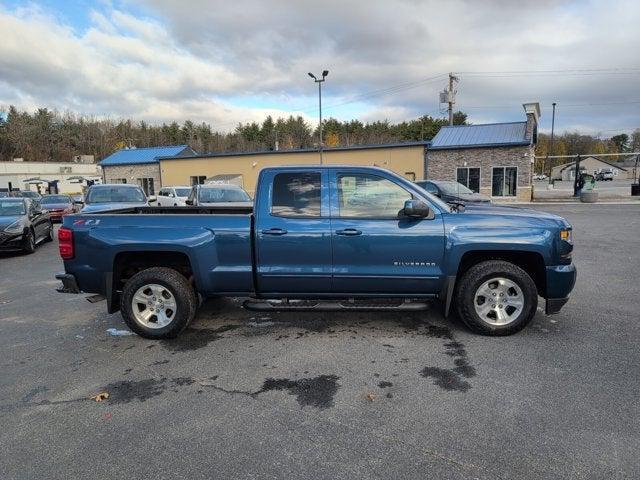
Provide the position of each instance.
(550, 149)
(451, 99)
(319, 82)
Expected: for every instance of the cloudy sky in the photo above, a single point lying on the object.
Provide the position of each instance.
(226, 62)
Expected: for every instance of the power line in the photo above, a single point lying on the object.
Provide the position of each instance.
(563, 105)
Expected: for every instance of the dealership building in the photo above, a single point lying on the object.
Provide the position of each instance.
(493, 159)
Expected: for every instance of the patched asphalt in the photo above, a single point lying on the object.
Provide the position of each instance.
(327, 395)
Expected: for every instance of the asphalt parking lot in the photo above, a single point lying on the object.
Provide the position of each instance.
(308, 395)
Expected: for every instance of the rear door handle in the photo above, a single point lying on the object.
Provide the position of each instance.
(274, 231)
(348, 232)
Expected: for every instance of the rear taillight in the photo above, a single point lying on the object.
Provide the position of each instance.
(65, 243)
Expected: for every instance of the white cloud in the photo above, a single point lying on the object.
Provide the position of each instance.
(194, 62)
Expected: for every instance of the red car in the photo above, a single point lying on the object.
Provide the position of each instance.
(58, 205)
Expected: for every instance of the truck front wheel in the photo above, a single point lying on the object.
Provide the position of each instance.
(496, 298)
(158, 303)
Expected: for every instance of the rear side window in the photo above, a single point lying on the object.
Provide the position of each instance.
(296, 194)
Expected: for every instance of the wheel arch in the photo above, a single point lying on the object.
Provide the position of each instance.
(129, 262)
(529, 261)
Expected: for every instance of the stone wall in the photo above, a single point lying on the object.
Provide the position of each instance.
(132, 172)
(443, 164)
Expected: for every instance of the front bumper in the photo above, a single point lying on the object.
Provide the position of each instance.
(11, 241)
(69, 284)
(560, 281)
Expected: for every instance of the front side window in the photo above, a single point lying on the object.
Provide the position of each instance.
(469, 177)
(370, 196)
(296, 194)
(504, 181)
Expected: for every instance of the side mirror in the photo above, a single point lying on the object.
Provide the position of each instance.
(416, 208)
(188, 201)
(153, 198)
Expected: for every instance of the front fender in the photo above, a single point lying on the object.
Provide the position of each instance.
(462, 240)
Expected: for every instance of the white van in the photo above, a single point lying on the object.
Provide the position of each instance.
(173, 196)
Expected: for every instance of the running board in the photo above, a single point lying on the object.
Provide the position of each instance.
(333, 305)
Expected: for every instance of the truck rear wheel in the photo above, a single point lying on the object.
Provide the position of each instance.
(158, 303)
(496, 298)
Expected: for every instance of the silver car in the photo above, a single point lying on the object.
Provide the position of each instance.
(218, 195)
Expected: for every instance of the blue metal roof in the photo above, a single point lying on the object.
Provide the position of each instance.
(135, 156)
(487, 135)
(299, 150)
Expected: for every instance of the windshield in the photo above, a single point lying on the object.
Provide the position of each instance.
(222, 195)
(113, 194)
(29, 194)
(12, 208)
(183, 192)
(453, 188)
(49, 199)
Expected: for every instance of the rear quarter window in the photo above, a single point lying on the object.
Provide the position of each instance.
(296, 194)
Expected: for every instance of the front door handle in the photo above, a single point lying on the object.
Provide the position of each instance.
(348, 232)
(274, 231)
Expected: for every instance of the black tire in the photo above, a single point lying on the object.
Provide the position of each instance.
(49, 237)
(180, 288)
(473, 279)
(30, 241)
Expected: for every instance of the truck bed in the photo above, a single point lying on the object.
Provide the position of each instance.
(178, 210)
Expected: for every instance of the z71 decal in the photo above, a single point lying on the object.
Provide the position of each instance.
(88, 223)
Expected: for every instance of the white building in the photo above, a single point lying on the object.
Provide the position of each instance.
(70, 177)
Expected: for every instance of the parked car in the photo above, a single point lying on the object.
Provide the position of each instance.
(605, 174)
(24, 224)
(113, 197)
(305, 241)
(452, 192)
(218, 194)
(26, 194)
(173, 196)
(58, 205)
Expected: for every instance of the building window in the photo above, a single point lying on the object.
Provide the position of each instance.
(369, 196)
(504, 181)
(197, 179)
(147, 185)
(296, 194)
(119, 180)
(469, 177)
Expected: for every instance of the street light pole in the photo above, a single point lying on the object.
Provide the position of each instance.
(553, 123)
(319, 81)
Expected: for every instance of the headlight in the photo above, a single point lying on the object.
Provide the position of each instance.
(15, 227)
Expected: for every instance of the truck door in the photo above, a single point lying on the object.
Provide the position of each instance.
(376, 249)
(293, 233)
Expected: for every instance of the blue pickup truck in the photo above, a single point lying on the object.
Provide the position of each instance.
(322, 238)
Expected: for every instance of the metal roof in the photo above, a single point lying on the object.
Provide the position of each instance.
(300, 150)
(487, 135)
(135, 156)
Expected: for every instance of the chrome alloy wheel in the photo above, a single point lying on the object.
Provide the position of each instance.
(153, 306)
(499, 301)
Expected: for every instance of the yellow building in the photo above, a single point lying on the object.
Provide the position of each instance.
(406, 159)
